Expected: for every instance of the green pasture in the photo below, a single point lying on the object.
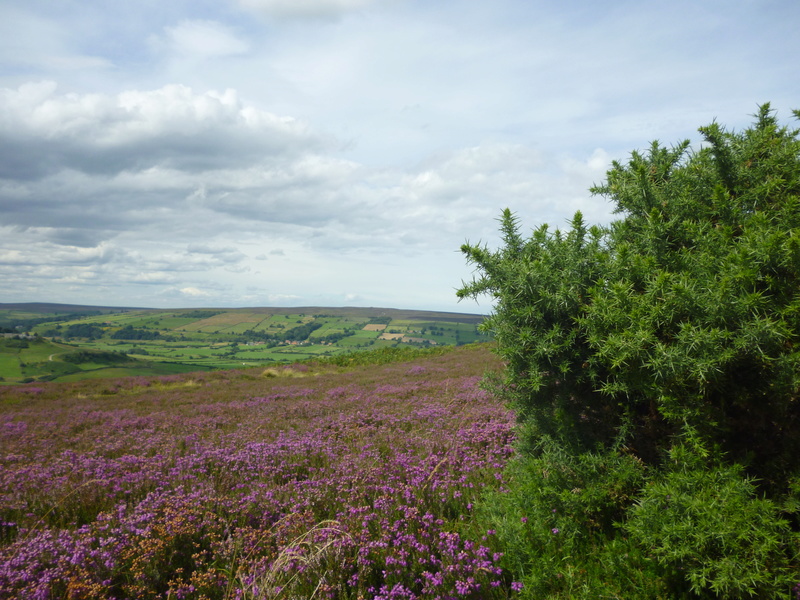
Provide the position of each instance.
(267, 324)
(336, 326)
(9, 366)
(152, 369)
(255, 351)
(7, 315)
(135, 319)
(211, 323)
(354, 342)
(366, 335)
(240, 327)
(94, 320)
(403, 324)
(108, 345)
(175, 322)
(217, 338)
(41, 351)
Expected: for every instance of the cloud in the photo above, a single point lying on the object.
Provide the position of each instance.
(194, 292)
(41, 42)
(160, 169)
(227, 255)
(461, 193)
(170, 127)
(153, 278)
(337, 146)
(151, 227)
(283, 299)
(23, 247)
(13, 257)
(80, 169)
(304, 9)
(199, 39)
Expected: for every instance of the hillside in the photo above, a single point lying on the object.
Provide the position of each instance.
(323, 482)
(156, 341)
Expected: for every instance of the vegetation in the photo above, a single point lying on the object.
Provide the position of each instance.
(38, 359)
(326, 483)
(130, 332)
(654, 366)
(167, 341)
(15, 320)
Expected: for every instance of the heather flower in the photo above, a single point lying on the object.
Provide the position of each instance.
(253, 486)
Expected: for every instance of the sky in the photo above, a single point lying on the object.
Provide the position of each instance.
(239, 153)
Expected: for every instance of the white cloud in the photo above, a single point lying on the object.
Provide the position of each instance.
(153, 278)
(283, 299)
(316, 218)
(201, 39)
(194, 292)
(314, 9)
(78, 169)
(227, 255)
(338, 150)
(13, 257)
(170, 127)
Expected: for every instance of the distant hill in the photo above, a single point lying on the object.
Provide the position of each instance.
(345, 311)
(50, 308)
(374, 312)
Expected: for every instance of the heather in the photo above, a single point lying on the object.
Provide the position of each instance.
(309, 481)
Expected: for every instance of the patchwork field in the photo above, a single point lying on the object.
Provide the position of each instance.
(169, 341)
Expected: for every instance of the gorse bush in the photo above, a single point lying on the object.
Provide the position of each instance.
(685, 312)
(555, 526)
(707, 529)
(680, 320)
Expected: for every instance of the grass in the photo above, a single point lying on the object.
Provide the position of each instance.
(9, 366)
(41, 360)
(149, 369)
(203, 339)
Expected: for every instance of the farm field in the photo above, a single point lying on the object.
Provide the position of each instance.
(38, 359)
(298, 481)
(178, 340)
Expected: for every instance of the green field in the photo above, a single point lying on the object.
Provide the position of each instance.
(39, 359)
(149, 341)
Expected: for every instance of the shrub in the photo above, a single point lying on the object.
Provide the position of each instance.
(555, 525)
(672, 334)
(708, 530)
(685, 312)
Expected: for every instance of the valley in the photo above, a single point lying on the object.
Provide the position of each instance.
(51, 342)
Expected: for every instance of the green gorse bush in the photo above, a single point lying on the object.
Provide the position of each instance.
(708, 530)
(679, 321)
